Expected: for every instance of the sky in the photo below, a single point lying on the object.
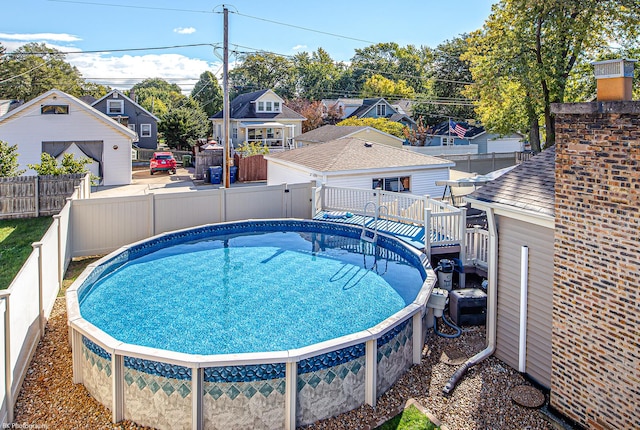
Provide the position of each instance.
(179, 40)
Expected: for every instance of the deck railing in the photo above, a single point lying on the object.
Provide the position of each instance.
(477, 247)
(444, 224)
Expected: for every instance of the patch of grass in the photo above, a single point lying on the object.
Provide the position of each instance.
(410, 419)
(75, 268)
(16, 237)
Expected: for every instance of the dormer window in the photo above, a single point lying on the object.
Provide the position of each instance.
(115, 107)
(268, 106)
(54, 109)
(381, 110)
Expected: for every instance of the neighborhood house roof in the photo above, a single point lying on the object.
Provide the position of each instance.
(327, 133)
(121, 95)
(356, 154)
(529, 186)
(242, 108)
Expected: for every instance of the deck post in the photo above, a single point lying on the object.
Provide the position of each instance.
(463, 246)
(371, 369)
(427, 232)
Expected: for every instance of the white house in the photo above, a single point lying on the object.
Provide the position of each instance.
(58, 123)
(358, 163)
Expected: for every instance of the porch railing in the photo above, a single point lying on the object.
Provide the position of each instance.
(444, 224)
(477, 248)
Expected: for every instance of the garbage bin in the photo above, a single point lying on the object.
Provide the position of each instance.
(215, 174)
(233, 171)
(445, 274)
(186, 161)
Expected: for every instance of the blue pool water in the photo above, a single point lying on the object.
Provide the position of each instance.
(251, 293)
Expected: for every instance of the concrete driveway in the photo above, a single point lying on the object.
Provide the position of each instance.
(161, 182)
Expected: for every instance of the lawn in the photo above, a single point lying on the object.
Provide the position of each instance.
(16, 237)
(410, 419)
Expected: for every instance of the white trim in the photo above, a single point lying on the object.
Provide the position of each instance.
(142, 130)
(531, 217)
(112, 103)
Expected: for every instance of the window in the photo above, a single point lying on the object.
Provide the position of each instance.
(54, 109)
(448, 140)
(234, 133)
(381, 110)
(401, 184)
(145, 130)
(269, 106)
(269, 133)
(132, 127)
(115, 107)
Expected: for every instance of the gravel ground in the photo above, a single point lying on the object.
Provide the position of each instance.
(49, 399)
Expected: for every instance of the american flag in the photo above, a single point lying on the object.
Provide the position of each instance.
(457, 129)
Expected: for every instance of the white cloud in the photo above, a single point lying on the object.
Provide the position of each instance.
(57, 37)
(298, 47)
(186, 30)
(125, 71)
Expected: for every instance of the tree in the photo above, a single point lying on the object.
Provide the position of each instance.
(312, 111)
(318, 75)
(383, 124)
(530, 48)
(263, 71)
(34, 69)
(208, 93)
(49, 165)
(157, 95)
(393, 62)
(448, 76)
(9, 160)
(379, 86)
(184, 125)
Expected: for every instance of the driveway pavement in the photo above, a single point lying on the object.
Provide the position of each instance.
(161, 182)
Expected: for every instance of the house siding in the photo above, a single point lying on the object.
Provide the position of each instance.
(513, 235)
(136, 116)
(28, 129)
(280, 174)
(596, 312)
(422, 182)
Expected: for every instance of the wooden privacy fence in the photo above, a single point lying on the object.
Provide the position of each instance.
(34, 196)
(253, 168)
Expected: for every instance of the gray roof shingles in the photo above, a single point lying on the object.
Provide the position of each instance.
(357, 154)
(241, 108)
(329, 132)
(530, 186)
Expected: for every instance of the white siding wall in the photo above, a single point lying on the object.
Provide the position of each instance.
(280, 174)
(505, 145)
(513, 235)
(28, 129)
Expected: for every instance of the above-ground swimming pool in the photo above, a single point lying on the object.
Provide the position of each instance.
(261, 324)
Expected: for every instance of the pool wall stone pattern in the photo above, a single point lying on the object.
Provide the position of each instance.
(159, 394)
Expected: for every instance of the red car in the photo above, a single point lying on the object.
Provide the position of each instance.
(162, 162)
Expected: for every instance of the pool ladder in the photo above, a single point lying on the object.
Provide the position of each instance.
(371, 234)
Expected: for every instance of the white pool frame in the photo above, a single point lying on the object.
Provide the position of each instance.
(155, 387)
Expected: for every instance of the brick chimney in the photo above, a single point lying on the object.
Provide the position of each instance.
(614, 79)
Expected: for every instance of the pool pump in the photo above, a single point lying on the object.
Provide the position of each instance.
(435, 309)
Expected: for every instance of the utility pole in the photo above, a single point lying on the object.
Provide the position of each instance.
(225, 103)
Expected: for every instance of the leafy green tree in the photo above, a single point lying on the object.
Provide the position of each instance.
(263, 71)
(383, 124)
(34, 69)
(449, 74)
(379, 86)
(157, 95)
(529, 49)
(208, 93)
(393, 62)
(9, 160)
(318, 75)
(68, 165)
(184, 125)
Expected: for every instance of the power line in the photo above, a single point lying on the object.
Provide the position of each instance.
(304, 28)
(134, 7)
(112, 50)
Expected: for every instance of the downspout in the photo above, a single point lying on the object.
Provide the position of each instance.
(492, 308)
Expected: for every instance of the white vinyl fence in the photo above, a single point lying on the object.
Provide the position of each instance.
(27, 303)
